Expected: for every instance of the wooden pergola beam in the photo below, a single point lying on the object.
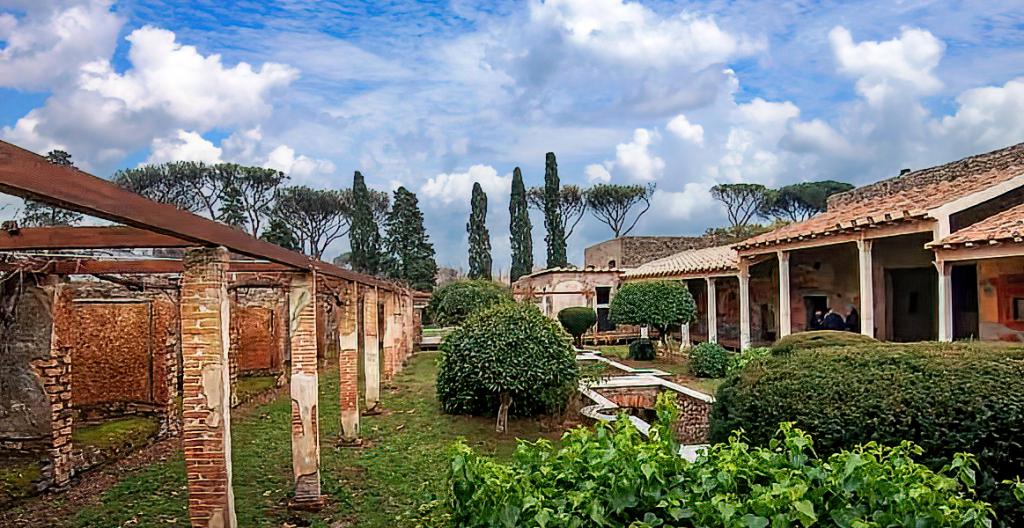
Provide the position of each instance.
(31, 176)
(93, 266)
(62, 238)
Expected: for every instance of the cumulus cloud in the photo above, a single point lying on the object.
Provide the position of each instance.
(986, 117)
(683, 129)
(184, 146)
(597, 173)
(457, 187)
(52, 41)
(902, 63)
(636, 159)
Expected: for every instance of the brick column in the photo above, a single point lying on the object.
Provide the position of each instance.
(205, 317)
(389, 336)
(55, 373)
(302, 316)
(371, 349)
(348, 364)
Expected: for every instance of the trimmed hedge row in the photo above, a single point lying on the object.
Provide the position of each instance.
(947, 398)
(819, 339)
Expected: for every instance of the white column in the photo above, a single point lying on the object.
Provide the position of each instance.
(684, 336)
(371, 348)
(712, 311)
(945, 301)
(867, 289)
(744, 278)
(785, 316)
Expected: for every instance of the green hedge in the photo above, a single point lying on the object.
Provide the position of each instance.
(452, 303)
(615, 477)
(708, 360)
(510, 348)
(819, 339)
(947, 398)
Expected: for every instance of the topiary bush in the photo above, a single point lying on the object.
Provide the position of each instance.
(641, 350)
(452, 303)
(819, 339)
(577, 320)
(947, 398)
(507, 358)
(708, 360)
(736, 362)
(613, 475)
(657, 304)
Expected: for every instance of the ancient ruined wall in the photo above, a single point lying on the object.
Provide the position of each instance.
(694, 423)
(830, 271)
(25, 330)
(603, 255)
(259, 330)
(558, 290)
(1000, 287)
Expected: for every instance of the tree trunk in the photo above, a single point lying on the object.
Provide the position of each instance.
(506, 402)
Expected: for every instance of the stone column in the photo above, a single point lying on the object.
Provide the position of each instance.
(684, 336)
(371, 349)
(388, 323)
(348, 364)
(785, 315)
(945, 301)
(867, 288)
(302, 318)
(744, 277)
(55, 374)
(205, 316)
(712, 311)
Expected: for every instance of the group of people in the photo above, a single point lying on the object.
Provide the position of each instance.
(832, 320)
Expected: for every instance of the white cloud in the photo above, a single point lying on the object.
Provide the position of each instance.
(987, 117)
(817, 136)
(636, 159)
(597, 173)
(302, 168)
(184, 146)
(902, 63)
(50, 42)
(456, 187)
(691, 203)
(683, 129)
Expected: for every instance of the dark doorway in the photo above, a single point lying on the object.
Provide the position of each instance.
(767, 324)
(813, 304)
(914, 310)
(965, 301)
(604, 295)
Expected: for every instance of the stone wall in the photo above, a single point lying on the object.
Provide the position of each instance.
(632, 251)
(259, 330)
(694, 423)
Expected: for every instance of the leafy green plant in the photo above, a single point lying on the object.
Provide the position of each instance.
(577, 320)
(509, 354)
(452, 303)
(736, 362)
(641, 350)
(708, 360)
(819, 339)
(656, 303)
(613, 476)
(946, 398)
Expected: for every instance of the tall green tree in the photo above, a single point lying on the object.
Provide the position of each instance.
(410, 253)
(41, 214)
(479, 237)
(572, 204)
(611, 204)
(555, 237)
(249, 194)
(364, 237)
(743, 201)
(520, 228)
(231, 208)
(278, 232)
(314, 217)
(801, 201)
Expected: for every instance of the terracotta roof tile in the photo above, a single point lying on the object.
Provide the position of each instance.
(690, 262)
(1007, 226)
(903, 198)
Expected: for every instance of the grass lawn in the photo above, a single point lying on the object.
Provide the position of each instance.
(117, 433)
(402, 464)
(249, 386)
(678, 365)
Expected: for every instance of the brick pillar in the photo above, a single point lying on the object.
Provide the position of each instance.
(371, 349)
(389, 336)
(205, 318)
(302, 317)
(56, 377)
(348, 363)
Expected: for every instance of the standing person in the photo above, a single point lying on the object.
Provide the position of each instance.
(818, 321)
(833, 321)
(852, 319)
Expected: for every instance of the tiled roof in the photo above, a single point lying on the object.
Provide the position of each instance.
(904, 198)
(573, 269)
(1007, 226)
(689, 262)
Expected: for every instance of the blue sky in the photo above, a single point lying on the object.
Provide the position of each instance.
(437, 95)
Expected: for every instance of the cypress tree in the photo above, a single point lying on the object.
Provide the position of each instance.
(479, 238)
(364, 237)
(520, 229)
(552, 219)
(279, 233)
(411, 255)
(231, 207)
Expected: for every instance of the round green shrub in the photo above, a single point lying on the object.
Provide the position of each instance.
(577, 320)
(508, 348)
(947, 398)
(452, 303)
(657, 304)
(740, 360)
(641, 350)
(819, 339)
(709, 360)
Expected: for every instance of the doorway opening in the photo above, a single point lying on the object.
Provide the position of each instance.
(914, 310)
(965, 301)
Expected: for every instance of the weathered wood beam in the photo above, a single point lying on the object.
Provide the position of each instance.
(111, 237)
